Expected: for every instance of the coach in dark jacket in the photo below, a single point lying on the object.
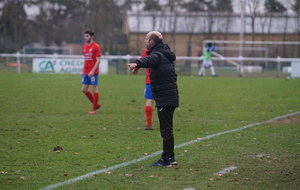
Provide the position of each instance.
(163, 80)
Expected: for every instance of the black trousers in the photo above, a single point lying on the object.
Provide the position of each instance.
(165, 116)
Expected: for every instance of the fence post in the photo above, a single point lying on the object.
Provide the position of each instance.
(241, 69)
(278, 67)
(127, 62)
(18, 62)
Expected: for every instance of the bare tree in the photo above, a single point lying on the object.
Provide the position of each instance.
(13, 26)
(58, 22)
(271, 7)
(225, 9)
(253, 6)
(296, 8)
(153, 7)
(170, 13)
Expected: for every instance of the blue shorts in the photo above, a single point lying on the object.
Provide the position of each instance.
(148, 92)
(89, 80)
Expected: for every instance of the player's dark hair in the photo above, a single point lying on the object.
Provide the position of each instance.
(90, 32)
(209, 44)
(155, 38)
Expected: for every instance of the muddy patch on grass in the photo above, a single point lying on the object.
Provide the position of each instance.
(287, 120)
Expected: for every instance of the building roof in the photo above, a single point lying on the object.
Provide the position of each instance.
(143, 22)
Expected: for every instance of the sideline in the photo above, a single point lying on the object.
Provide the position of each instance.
(159, 152)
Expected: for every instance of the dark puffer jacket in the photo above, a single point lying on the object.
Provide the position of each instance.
(163, 78)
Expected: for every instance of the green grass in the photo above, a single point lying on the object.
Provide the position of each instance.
(41, 111)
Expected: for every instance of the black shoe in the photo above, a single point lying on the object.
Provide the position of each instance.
(161, 162)
(214, 75)
(148, 128)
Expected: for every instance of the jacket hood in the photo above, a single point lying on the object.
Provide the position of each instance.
(164, 49)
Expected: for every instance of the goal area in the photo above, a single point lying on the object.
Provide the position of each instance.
(246, 58)
(257, 58)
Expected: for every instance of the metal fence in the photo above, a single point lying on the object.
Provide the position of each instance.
(188, 66)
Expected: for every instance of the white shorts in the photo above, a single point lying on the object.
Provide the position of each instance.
(206, 63)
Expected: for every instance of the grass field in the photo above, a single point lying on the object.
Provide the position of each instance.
(41, 111)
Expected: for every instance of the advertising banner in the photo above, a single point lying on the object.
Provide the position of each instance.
(72, 66)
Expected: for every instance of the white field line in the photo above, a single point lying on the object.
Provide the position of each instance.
(91, 174)
(227, 170)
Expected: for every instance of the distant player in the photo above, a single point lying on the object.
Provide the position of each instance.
(207, 63)
(148, 96)
(92, 53)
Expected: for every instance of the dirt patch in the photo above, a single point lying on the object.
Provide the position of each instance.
(287, 120)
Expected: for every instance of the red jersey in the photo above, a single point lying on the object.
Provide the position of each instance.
(90, 53)
(147, 69)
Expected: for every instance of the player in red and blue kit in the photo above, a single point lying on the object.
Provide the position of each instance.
(92, 53)
(147, 96)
